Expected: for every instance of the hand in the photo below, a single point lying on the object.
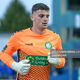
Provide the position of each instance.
(53, 60)
(21, 67)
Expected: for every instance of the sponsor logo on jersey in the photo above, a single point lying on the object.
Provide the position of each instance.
(29, 44)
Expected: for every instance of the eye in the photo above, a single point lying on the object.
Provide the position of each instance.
(47, 16)
(41, 15)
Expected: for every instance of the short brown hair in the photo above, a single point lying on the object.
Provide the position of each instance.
(40, 6)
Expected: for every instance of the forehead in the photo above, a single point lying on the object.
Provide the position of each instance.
(41, 12)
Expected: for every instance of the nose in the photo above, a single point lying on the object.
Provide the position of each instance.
(45, 18)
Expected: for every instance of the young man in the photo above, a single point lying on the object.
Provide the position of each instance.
(37, 41)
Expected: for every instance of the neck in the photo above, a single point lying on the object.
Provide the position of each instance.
(37, 30)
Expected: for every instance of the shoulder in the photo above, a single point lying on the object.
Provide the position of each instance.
(52, 33)
(19, 34)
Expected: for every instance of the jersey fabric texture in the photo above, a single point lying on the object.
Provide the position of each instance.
(26, 43)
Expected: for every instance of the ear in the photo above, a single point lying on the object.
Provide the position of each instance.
(32, 18)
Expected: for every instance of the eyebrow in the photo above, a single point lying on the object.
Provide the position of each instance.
(44, 14)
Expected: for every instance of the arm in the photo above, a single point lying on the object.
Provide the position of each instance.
(59, 47)
(7, 59)
(58, 62)
(21, 67)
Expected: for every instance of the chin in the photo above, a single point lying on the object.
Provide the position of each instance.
(44, 26)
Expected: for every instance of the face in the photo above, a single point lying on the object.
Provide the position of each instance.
(40, 18)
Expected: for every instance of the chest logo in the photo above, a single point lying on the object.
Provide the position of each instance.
(48, 45)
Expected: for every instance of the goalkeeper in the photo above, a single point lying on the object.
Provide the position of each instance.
(37, 40)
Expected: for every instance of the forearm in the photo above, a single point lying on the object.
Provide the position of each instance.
(7, 59)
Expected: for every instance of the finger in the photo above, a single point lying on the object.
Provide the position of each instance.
(25, 71)
(25, 61)
(26, 65)
(52, 61)
(26, 68)
(49, 54)
(48, 58)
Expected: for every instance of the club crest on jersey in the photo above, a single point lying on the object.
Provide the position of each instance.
(48, 45)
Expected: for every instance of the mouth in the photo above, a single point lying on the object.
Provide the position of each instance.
(44, 24)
